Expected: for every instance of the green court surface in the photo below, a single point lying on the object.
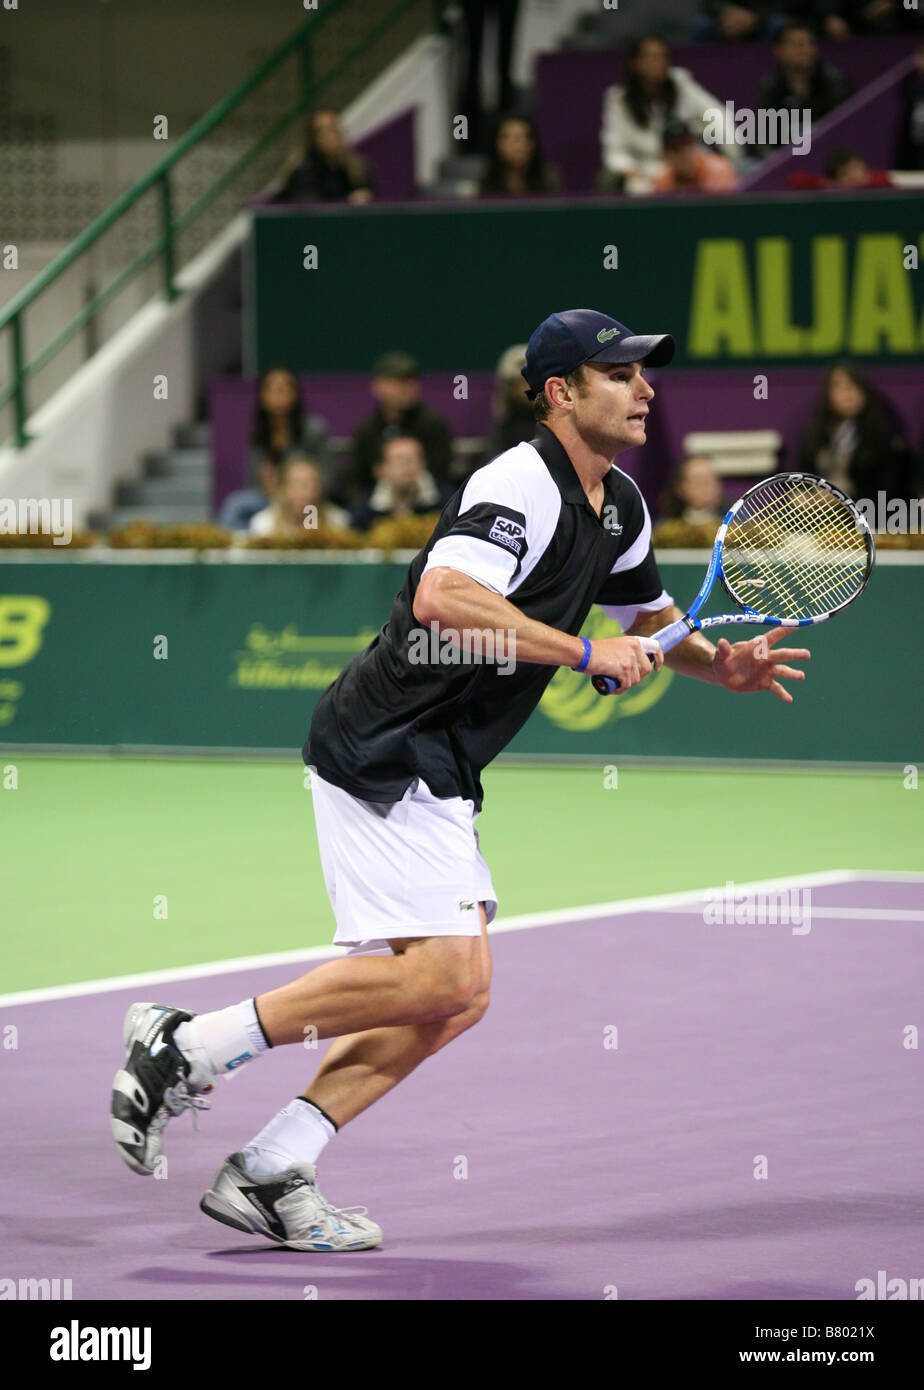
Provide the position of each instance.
(89, 845)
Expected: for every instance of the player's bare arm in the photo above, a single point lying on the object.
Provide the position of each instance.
(458, 603)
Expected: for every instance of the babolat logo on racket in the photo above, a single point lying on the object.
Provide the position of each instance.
(508, 533)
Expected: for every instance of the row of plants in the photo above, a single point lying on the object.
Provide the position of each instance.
(682, 535)
(394, 533)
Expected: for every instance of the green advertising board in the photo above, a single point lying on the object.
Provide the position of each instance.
(189, 653)
(751, 281)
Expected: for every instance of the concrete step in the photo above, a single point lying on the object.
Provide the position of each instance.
(178, 462)
(197, 435)
(158, 516)
(172, 490)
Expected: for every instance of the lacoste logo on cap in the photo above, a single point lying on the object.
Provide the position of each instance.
(606, 334)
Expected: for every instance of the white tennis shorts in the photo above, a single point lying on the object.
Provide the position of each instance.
(401, 868)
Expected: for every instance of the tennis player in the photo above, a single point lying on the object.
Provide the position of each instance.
(490, 609)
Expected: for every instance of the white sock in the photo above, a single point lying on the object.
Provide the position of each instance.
(224, 1040)
(297, 1134)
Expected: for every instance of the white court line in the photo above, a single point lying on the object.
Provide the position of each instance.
(838, 914)
(656, 902)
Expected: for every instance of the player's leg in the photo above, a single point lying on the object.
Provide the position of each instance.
(388, 867)
(172, 1057)
(360, 1068)
(436, 876)
(432, 982)
(270, 1187)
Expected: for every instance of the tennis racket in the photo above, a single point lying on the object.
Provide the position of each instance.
(794, 550)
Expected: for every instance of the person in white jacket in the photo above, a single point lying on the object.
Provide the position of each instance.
(635, 113)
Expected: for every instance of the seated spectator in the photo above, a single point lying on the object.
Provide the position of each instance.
(911, 140)
(514, 420)
(403, 485)
(280, 424)
(635, 115)
(300, 488)
(843, 169)
(324, 168)
(847, 169)
(694, 493)
(855, 439)
(396, 387)
(802, 81)
(690, 168)
(240, 507)
(517, 168)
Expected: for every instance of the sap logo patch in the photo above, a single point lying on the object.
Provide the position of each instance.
(508, 533)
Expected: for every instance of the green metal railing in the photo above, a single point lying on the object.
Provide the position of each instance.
(300, 45)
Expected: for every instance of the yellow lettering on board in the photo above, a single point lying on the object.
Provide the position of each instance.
(882, 311)
(829, 296)
(721, 313)
(22, 619)
(779, 335)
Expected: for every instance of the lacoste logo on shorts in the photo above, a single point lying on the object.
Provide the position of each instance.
(508, 533)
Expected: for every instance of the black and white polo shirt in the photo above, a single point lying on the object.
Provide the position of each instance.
(523, 527)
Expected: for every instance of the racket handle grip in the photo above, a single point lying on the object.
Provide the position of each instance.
(669, 637)
(607, 685)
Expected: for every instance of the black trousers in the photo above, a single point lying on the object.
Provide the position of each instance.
(475, 14)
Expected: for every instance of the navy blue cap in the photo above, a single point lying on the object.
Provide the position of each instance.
(563, 341)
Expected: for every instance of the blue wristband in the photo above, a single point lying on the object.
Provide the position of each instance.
(585, 659)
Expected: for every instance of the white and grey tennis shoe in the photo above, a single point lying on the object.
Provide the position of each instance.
(156, 1083)
(287, 1208)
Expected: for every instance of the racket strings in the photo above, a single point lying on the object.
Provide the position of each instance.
(809, 554)
(780, 579)
(794, 573)
(795, 550)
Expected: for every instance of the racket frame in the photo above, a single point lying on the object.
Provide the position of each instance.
(676, 632)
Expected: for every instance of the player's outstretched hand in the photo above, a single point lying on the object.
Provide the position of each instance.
(625, 658)
(748, 666)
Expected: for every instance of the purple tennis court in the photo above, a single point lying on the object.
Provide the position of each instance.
(755, 1131)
